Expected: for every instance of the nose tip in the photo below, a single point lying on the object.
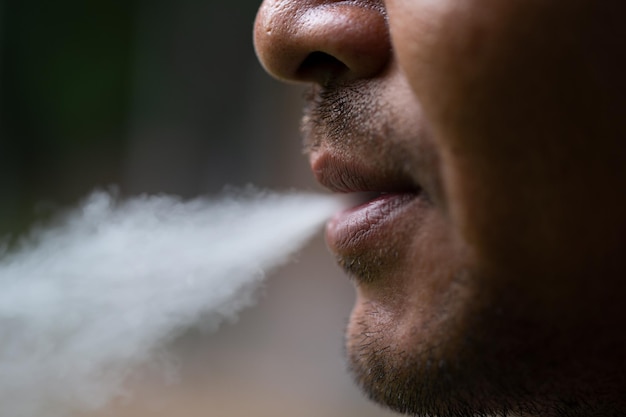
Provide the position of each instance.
(321, 41)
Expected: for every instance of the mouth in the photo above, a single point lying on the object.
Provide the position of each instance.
(368, 231)
(367, 224)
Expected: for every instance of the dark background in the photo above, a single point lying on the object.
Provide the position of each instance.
(150, 96)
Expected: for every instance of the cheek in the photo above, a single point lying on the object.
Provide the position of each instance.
(459, 61)
(508, 93)
(437, 42)
(444, 49)
(413, 27)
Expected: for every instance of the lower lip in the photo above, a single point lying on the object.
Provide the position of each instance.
(368, 224)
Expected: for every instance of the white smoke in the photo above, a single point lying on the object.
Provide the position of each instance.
(84, 302)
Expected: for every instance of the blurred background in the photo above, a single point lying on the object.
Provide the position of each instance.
(166, 96)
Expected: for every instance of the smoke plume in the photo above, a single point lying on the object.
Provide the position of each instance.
(85, 301)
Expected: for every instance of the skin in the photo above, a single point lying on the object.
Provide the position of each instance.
(500, 290)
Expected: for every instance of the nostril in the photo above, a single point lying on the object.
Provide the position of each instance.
(322, 41)
(321, 67)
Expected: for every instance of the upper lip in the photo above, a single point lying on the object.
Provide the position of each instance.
(339, 175)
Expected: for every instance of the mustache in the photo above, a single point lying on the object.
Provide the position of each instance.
(340, 115)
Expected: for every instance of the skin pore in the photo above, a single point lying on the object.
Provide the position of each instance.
(489, 137)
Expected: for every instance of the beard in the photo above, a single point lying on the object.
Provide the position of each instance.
(422, 381)
(475, 373)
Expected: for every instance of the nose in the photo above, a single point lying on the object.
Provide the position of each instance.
(322, 41)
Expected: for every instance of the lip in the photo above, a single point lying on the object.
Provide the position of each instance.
(384, 198)
(340, 176)
(365, 226)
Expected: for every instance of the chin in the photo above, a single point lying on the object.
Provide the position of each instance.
(471, 355)
(413, 359)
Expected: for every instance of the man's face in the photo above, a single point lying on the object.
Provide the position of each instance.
(485, 140)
